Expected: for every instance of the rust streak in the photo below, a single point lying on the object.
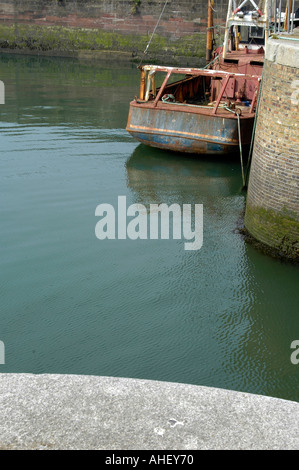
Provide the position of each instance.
(183, 133)
(162, 88)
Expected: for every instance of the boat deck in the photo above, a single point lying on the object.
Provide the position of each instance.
(197, 109)
(247, 61)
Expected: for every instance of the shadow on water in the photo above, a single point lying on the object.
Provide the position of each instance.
(222, 316)
(243, 291)
(153, 171)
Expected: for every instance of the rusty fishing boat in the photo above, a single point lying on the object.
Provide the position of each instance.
(207, 110)
(198, 114)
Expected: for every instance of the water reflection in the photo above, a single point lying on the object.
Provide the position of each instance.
(232, 293)
(152, 173)
(55, 91)
(223, 316)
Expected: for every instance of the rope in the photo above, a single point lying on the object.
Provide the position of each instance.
(240, 142)
(168, 99)
(253, 130)
(240, 147)
(151, 38)
(212, 61)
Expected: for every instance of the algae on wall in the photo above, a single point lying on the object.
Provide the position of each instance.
(278, 230)
(116, 25)
(41, 39)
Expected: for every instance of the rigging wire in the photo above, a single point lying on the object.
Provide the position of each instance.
(153, 33)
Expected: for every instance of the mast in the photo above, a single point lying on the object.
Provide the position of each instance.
(227, 28)
(210, 32)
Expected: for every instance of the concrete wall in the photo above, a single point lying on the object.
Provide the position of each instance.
(71, 412)
(127, 16)
(272, 212)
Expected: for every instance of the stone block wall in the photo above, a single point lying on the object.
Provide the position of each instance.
(131, 16)
(272, 212)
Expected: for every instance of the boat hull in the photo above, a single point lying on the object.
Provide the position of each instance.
(188, 130)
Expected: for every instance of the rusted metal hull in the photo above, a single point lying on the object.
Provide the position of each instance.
(188, 130)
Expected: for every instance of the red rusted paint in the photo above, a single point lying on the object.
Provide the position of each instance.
(186, 127)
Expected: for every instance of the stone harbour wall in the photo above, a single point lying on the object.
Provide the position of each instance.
(272, 212)
(134, 16)
(122, 28)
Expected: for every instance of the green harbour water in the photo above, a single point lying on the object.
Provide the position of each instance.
(223, 316)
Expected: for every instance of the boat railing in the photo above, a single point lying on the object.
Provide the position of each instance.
(148, 88)
(286, 16)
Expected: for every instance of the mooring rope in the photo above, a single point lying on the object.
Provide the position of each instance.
(241, 153)
(153, 33)
(240, 142)
(253, 130)
(212, 61)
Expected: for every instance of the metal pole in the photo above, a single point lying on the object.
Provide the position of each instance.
(287, 17)
(275, 17)
(210, 32)
(162, 88)
(267, 22)
(293, 14)
(142, 84)
(224, 84)
(229, 12)
(279, 20)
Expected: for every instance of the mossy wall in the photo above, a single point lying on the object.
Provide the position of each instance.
(116, 25)
(59, 40)
(272, 210)
(187, 10)
(276, 229)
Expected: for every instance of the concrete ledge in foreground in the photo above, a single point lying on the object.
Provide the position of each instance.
(86, 412)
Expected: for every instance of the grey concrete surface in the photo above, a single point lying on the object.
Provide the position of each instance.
(103, 413)
(283, 51)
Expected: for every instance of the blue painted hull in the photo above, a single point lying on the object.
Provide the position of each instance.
(188, 130)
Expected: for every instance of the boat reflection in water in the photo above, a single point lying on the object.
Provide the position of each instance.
(158, 176)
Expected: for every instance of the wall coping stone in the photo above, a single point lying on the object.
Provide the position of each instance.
(49, 412)
(283, 52)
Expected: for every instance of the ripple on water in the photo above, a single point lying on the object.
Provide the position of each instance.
(222, 316)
